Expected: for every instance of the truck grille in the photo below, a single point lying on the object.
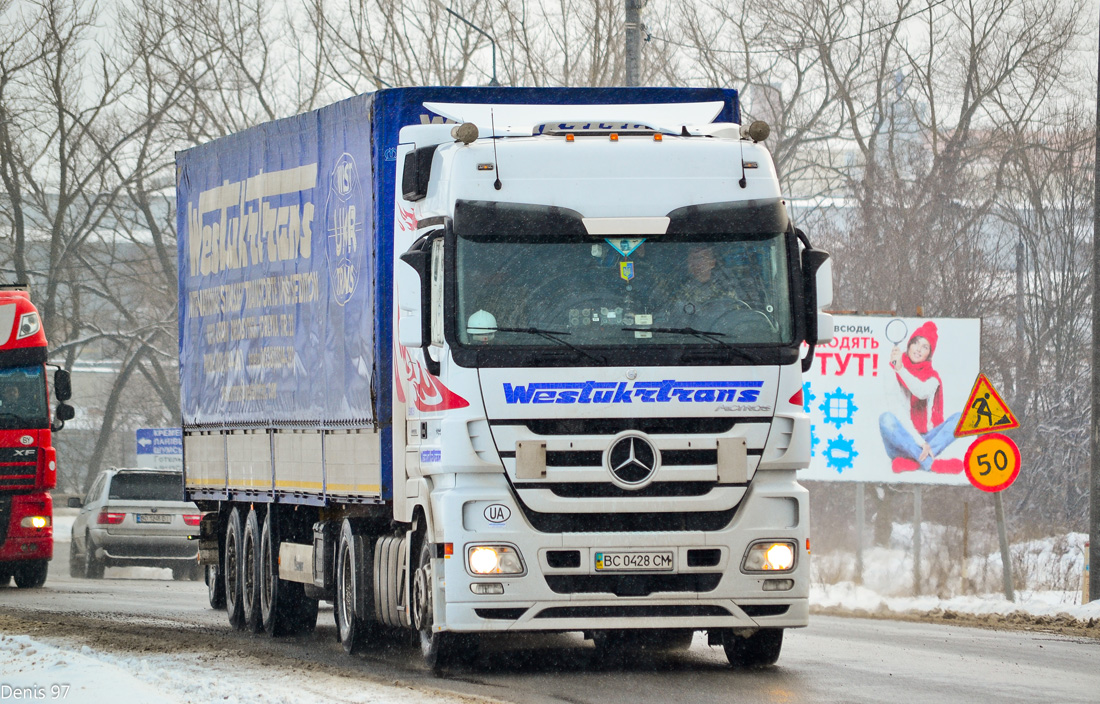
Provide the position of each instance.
(18, 467)
(627, 522)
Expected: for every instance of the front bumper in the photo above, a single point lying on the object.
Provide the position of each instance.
(577, 597)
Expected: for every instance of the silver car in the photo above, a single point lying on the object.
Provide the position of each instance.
(135, 517)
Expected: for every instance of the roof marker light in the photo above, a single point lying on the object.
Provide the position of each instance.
(614, 136)
(658, 137)
(569, 137)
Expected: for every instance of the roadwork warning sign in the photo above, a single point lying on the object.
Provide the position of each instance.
(985, 411)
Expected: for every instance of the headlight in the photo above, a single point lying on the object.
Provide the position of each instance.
(28, 325)
(769, 557)
(35, 522)
(494, 559)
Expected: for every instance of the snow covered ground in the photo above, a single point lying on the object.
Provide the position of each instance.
(31, 670)
(1050, 568)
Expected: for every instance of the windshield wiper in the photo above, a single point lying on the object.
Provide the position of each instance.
(550, 335)
(702, 335)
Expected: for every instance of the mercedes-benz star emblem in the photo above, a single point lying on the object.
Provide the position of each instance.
(632, 460)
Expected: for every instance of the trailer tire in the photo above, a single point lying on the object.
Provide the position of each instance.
(284, 607)
(440, 649)
(354, 586)
(761, 649)
(215, 587)
(31, 575)
(231, 570)
(250, 573)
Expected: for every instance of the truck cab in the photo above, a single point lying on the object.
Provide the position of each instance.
(602, 330)
(28, 463)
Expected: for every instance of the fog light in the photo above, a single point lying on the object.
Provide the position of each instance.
(494, 559)
(487, 588)
(35, 522)
(769, 557)
(778, 585)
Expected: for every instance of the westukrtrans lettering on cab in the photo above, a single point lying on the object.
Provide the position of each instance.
(667, 391)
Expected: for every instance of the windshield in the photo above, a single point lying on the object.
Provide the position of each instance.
(147, 486)
(623, 291)
(23, 398)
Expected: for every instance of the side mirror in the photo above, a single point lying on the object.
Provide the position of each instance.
(62, 385)
(62, 413)
(419, 257)
(75, 502)
(817, 291)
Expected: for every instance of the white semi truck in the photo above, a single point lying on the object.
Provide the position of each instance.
(474, 360)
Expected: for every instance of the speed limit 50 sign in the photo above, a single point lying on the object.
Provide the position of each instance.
(992, 462)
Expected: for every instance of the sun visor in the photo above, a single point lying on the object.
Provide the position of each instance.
(749, 217)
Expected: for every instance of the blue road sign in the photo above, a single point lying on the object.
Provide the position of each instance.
(159, 441)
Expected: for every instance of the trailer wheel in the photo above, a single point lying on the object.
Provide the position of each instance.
(215, 587)
(231, 570)
(354, 585)
(761, 649)
(31, 575)
(250, 573)
(440, 649)
(284, 607)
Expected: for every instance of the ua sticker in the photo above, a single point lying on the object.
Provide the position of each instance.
(626, 270)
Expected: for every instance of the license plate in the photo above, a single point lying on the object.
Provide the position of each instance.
(153, 518)
(642, 560)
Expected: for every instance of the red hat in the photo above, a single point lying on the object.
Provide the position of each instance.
(929, 332)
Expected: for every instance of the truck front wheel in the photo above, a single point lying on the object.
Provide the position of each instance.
(440, 649)
(31, 575)
(758, 650)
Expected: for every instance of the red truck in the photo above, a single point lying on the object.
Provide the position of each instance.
(28, 463)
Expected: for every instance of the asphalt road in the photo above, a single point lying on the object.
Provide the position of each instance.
(834, 660)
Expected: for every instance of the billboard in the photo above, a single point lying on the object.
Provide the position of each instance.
(884, 398)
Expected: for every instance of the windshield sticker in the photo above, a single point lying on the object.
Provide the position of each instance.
(626, 270)
(625, 245)
(667, 391)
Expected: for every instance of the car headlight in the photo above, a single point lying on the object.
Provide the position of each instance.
(28, 325)
(494, 559)
(778, 556)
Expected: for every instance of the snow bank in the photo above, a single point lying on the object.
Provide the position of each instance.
(31, 670)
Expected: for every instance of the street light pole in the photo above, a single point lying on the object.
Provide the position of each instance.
(492, 81)
(633, 41)
(1093, 558)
